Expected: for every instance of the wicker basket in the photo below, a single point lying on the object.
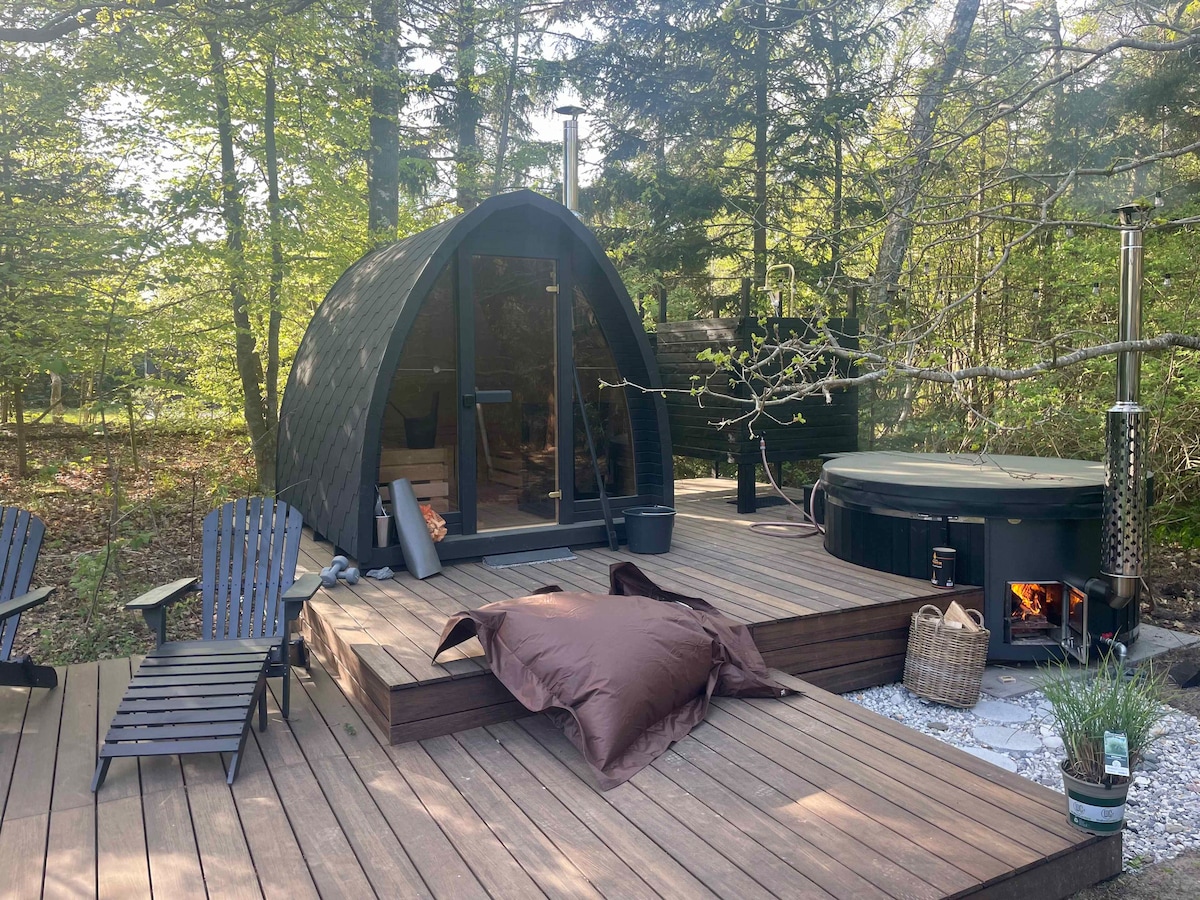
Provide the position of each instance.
(945, 664)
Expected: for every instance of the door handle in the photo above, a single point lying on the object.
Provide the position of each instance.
(555, 495)
(490, 396)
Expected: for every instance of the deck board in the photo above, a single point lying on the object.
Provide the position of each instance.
(122, 867)
(836, 624)
(70, 849)
(26, 824)
(809, 797)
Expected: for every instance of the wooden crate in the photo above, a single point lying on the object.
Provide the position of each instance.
(430, 472)
(507, 468)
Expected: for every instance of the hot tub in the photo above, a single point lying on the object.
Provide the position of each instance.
(1013, 520)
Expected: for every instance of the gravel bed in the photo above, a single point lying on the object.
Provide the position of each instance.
(1162, 818)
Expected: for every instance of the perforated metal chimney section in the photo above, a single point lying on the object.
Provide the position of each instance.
(1125, 503)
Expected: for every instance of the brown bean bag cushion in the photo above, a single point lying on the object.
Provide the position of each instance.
(743, 674)
(623, 676)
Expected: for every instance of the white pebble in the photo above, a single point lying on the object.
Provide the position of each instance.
(1163, 815)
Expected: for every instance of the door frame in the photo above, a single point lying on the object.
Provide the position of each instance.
(528, 245)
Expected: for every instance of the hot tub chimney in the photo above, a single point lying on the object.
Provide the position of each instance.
(1125, 514)
(571, 156)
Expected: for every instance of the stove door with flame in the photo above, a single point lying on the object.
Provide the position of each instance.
(1048, 613)
(1075, 638)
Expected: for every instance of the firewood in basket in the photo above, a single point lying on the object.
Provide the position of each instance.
(955, 613)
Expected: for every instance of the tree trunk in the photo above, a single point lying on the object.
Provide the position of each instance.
(86, 399)
(762, 62)
(133, 445)
(506, 111)
(466, 161)
(249, 364)
(977, 271)
(56, 401)
(18, 403)
(839, 179)
(275, 227)
(3, 408)
(897, 234)
(383, 161)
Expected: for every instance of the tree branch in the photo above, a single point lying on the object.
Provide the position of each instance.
(63, 22)
(787, 371)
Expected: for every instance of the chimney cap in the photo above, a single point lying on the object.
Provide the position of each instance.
(1129, 212)
(572, 111)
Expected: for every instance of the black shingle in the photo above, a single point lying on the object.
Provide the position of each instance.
(353, 338)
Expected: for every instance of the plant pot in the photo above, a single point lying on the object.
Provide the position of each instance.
(1095, 808)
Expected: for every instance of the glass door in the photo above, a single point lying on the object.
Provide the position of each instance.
(513, 302)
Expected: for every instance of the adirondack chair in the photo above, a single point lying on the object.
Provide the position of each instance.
(199, 696)
(20, 540)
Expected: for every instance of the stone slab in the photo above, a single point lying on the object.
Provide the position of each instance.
(999, 711)
(996, 759)
(1008, 740)
(1010, 680)
(1153, 641)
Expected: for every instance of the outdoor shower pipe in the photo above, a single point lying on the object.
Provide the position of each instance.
(791, 285)
(1125, 501)
(1118, 647)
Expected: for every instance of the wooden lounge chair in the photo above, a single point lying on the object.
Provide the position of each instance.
(199, 696)
(20, 540)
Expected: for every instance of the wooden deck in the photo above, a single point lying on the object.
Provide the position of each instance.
(835, 624)
(809, 797)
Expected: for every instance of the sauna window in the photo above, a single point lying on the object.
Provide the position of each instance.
(607, 411)
(420, 424)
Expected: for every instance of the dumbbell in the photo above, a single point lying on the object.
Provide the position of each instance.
(339, 567)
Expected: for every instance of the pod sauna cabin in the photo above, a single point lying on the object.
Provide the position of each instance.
(449, 358)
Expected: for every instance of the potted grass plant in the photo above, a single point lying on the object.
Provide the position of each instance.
(1106, 718)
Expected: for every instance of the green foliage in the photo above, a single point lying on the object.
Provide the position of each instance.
(89, 572)
(116, 272)
(1087, 704)
(60, 214)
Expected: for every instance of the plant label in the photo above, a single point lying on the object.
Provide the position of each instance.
(1116, 753)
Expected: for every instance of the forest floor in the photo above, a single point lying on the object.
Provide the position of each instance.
(102, 554)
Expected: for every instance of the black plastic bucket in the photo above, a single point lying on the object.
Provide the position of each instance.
(648, 528)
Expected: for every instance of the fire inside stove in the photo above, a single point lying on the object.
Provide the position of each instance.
(1036, 611)
(1036, 616)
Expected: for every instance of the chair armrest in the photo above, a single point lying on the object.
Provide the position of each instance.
(298, 594)
(164, 595)
(25, 601)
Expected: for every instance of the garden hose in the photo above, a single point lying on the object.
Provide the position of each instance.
(808, 518)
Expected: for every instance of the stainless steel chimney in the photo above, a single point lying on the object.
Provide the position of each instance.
(1125, 522)
(571, 156)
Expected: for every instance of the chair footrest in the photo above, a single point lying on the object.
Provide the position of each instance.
(170, 748)
(190, 697)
